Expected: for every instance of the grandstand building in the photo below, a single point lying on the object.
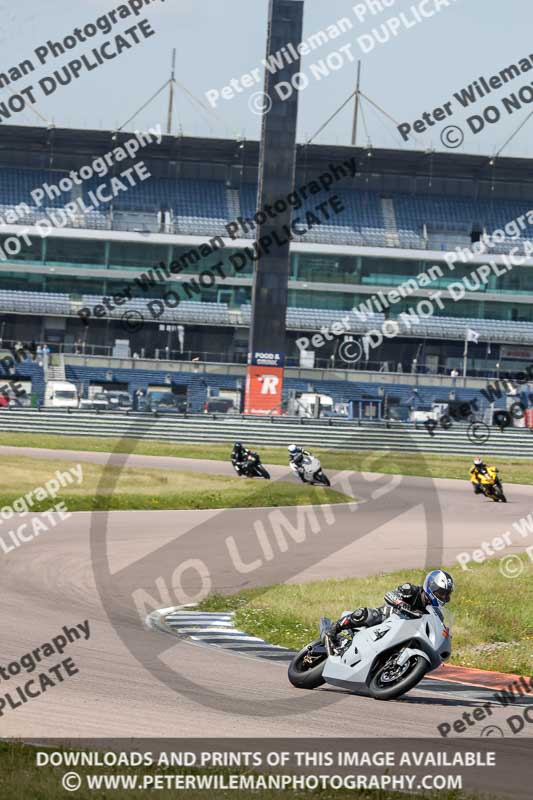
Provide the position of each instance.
(157, 270)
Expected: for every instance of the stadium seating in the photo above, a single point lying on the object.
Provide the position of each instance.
(35, 302)
(450, 220)
(16, 186)
(361, 222)
(198, 207)
(191, 312)
(188, 310)
(203, 208)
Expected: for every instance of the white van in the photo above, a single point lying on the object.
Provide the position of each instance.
(310, 404)
(60, 394)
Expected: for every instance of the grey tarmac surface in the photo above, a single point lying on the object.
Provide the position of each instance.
(50, 582)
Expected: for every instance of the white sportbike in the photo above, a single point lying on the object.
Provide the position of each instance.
(384, 661)
(311, 471)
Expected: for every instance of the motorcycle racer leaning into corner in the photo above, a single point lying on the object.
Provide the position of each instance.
(297, 455)
(479, 468)
(409, 598)
(239, 456)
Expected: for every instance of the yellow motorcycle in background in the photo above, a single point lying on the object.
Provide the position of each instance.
(490, 484)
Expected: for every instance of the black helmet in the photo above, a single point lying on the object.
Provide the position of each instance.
(238, 446)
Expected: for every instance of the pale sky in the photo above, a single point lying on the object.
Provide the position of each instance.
(217, 40)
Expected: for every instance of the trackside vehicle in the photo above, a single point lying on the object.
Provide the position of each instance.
(60, 394)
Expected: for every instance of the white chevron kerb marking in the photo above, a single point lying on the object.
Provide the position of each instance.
(216, 629)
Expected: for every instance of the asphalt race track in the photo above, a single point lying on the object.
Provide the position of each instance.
(137, 682)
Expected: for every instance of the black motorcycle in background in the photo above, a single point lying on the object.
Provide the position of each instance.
(251, 466)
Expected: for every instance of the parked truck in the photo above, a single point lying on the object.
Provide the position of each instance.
(60, 394)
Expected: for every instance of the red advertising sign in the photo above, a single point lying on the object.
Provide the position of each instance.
(264, 386)
(525, 353)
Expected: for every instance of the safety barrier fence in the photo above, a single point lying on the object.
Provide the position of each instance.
(270, 431)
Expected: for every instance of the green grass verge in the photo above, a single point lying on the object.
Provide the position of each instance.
(119, 488)
(492, 615)
(20, 779)
(420, 464)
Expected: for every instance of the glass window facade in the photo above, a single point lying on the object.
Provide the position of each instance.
(32, 252)
(89, 252)
(389, 272)
(134, 254)
(307, 269)
(193, 266)
(326, 269)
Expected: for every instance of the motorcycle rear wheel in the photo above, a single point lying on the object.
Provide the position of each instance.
(418, 667)
(307, 676)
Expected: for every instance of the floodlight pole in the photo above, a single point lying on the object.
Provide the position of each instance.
(277, 170)
(465, 358)
(356, 108)
(171, 92)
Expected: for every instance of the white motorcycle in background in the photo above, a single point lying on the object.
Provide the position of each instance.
(311, 471)
(384, 661)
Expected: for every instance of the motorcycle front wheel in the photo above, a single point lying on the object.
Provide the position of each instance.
(305, 669)
(262, 472)
(498, 494)
(320, 477)
(384, 685)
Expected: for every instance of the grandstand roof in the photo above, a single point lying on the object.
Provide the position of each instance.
(63, 148)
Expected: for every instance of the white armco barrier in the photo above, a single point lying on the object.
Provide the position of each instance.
(335, 434)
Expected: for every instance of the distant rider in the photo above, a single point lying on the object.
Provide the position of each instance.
(297, 455)
(239, 457)
(409, 598)
(479, 469)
